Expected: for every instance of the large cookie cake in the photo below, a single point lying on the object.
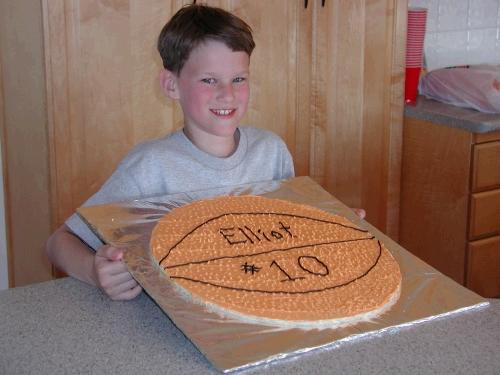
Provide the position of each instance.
(275, 262)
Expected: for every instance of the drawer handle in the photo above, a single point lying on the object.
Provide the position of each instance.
(307, 2)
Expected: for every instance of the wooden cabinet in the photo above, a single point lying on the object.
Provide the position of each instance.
(328, 79)
(450, 202)
(23, 121)
(483, 266)
(355, 105)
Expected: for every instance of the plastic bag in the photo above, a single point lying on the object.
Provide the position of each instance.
(475, 87)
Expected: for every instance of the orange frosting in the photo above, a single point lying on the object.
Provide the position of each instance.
(275, 262)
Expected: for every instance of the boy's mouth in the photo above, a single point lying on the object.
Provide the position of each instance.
(223, 112)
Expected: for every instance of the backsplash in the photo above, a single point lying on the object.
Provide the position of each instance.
(461, 32)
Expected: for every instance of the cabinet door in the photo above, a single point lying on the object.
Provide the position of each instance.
(24, 143)
(434, 195)
(104, 96)
(103, 90)
(358, 104)
(483, 267)
(326, 79)
(274, 65)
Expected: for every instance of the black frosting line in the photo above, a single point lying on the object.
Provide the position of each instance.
(284, 291)
(266, 252)
(319, 261)
(255, 213)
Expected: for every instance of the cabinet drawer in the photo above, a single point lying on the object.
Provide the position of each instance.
(485, 213)
(486, 166)
(483, 270)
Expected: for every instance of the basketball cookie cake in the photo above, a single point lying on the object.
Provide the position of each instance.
(274, 262)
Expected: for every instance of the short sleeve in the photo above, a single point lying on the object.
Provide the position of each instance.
(118, 188)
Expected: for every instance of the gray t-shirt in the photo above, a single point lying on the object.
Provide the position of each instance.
(173, 164)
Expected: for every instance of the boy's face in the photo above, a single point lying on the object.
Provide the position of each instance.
(213, 90)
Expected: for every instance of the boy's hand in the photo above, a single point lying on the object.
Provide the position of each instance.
(360, 212)
(112, 275)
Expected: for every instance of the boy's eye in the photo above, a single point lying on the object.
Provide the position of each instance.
(239, 79)
(210, 81)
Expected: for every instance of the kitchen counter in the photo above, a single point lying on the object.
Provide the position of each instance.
(456, 117)
(65, 326)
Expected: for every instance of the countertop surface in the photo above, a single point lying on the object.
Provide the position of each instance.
(456, 117)
(67, 327)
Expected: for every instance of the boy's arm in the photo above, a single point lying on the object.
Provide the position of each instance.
(68, 253)
(103, 268)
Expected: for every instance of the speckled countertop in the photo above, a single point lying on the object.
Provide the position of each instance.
(67, 327)
(456, 117)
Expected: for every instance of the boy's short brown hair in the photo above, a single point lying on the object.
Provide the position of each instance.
(195, 24)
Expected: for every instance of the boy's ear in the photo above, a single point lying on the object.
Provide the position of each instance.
(168, 83)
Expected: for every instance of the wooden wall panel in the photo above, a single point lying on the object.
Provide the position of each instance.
(303, 147)
(343, 98)
(434, 198)
(359, 77)
(5, 254)
(324, 82)
(102, 69)
(327, 79)
(24, 141)
(376, 108)
(394, 115)
(273, 74)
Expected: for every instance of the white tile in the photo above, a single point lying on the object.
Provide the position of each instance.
(481, 48)
(497, 49)
(430, 50)
(461, 31)
(419, 3)
(432, 16)
(498, 15)
(432, 12)
(483, 13)
(452, 15)
(452, 40)
(449, 49)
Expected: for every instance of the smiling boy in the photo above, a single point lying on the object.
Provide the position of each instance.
(213, 91)
(206, 55)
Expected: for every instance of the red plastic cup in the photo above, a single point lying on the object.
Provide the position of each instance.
(417, 19)
(411, 84)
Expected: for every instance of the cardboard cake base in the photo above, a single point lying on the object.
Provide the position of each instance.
(230, 344)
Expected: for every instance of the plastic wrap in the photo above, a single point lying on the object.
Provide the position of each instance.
(230, 344)
(476, 87)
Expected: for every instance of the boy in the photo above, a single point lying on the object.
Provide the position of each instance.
(206, 55)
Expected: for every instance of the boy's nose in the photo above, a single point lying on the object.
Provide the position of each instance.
(225, 92)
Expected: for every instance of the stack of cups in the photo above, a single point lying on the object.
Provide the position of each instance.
(417, 18)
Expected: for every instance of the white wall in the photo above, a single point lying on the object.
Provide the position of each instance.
(461, 32)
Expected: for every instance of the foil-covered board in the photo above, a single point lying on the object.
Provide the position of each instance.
(230, 344)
